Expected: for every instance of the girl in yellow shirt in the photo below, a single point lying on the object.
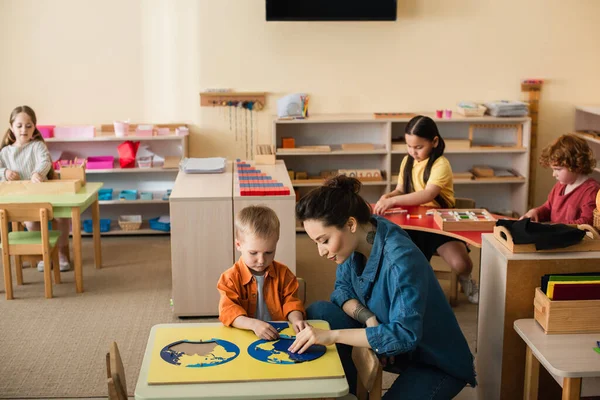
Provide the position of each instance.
(426, 179)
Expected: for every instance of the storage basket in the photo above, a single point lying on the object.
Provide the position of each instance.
(472, 111)
(569, 316)
(105, 194)
(104, 225)
(130, 222)
(597, 219)
(128, 194)
(100, 162)
(159, 226)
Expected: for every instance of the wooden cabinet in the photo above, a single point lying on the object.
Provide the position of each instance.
(497, 142)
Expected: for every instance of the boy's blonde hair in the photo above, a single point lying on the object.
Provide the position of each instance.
(260, 221)
(571, 152)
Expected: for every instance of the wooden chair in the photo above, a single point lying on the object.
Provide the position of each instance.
(302, 290)
(115, 374)
(369, 374)
(447, 273)
(19, 243)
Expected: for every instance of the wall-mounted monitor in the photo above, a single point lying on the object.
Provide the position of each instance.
(331, 10)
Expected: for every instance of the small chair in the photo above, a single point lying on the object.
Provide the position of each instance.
(301, 290)
(369, 374)
(460, 202)
(115, 374)
(18, 243)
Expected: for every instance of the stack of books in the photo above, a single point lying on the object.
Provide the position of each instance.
(582, 286)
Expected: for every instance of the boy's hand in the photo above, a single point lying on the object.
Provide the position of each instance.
(11, 175)
(532, 214)
(36, 178)
(299, 325)
(264, 330)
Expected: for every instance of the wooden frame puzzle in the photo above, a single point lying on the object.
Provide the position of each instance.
(454, 219)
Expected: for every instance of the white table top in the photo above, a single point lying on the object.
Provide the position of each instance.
(566, 255)
(285, 389)
(203, 186)
(569, 355)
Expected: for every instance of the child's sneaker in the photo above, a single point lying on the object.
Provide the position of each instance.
(63, 265)
(471, 290)
(40, 266)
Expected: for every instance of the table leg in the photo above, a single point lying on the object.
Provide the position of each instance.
(16, 227)
(96, 227)
(76, 220)
(571, 389)
(532, 375)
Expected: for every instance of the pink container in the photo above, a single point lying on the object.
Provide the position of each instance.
(100, 162)
(58, 163)
(448, 113)
(47, 131)
(74, 132)
(121, 128)
(439, 113)
(163, 131)
(144, 130)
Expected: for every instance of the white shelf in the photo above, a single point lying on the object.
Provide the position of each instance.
(118, 231)
(112, 138)
(317, 184)
(489, 181)
(589, 109)
(130, 202)
(490, 150)
(369, 118)
(332, 153)
(129, 170)
(588, 138)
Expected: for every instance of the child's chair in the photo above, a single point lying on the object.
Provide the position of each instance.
(18, 243)
(115, 374)
(369, 374)
(447, 273)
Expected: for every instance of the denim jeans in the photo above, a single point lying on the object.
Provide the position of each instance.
(416, 381)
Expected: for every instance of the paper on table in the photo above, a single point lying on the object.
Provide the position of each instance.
(203, 165)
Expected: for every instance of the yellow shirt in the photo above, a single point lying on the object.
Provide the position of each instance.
(441, 175)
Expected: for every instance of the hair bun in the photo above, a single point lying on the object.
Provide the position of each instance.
(344, 182)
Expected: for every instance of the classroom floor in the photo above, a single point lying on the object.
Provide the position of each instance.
(55, 348)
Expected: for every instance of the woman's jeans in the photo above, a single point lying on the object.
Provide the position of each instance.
(416, 381)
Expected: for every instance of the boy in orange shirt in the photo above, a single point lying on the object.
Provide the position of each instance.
(257, 288)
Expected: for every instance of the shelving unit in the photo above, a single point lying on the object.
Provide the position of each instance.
(155, 179)
(587, 118)
(495, 146)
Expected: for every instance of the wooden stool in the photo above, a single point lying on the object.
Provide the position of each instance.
(568, 357)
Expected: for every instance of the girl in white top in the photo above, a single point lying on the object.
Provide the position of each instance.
(24, 156)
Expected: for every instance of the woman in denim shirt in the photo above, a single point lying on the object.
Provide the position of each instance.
(386, 298)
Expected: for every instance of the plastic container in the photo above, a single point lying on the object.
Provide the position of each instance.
(47, 131)
(74, 132)
(100, 162)
(121, 128)
(105, 194)
(182, 131)
(128, 195)
(144, 130)
(89, 227)
(167, 195)
(130, 222)
(145, 162)
(163, 131)
(146, 196)
(159, 226)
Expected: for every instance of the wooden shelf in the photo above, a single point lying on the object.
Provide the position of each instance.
(129, 170)
(315, 183)
(110, 137)
(116, 230)
(131, 202)
(354, 118)
(483, 181)
(588, 138)
(331, 153)
(477, 150)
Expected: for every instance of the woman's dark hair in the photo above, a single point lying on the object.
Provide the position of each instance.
(423, 127)
(334, 202)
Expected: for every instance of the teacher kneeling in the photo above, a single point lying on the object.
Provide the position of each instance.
(386, 298)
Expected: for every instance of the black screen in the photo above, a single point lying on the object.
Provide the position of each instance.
(331, 10)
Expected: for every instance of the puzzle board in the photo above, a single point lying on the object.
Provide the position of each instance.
(464, 219)
(225, 357)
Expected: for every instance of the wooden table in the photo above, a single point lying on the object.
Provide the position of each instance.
(507, 289)
(284, 389)
(71, 205)
(568, 358)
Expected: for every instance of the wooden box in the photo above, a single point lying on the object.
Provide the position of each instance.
(590, 242)
(482, 171)
(571, 316)
(49, 187)
(454, 219)
(457, 144)
(73, 172)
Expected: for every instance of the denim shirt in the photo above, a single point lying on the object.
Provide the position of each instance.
(398, 285)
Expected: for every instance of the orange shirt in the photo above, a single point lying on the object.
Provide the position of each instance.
(239, 292)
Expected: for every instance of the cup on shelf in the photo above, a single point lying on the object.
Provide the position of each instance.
(121, 128)
(448, 114)
(439, 113)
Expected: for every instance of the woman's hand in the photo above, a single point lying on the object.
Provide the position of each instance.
(309, 336)
(371, 322)
(36, 178)
(264, 330)
(383, 204)
(11, 175)
(533, 214)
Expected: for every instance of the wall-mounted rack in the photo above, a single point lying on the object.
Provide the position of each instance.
(219, 99)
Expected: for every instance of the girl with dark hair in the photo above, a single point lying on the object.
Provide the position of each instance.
(426, 179)
(386, 298)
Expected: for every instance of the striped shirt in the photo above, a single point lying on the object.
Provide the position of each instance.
(26, 160)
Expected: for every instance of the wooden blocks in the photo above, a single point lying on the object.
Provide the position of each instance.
(288, 142)
(61, 186)
(453, 219)
(264, 154)
(73, 172)
(483, 171)
(362, 174)
(306, 149)
(517, 127)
